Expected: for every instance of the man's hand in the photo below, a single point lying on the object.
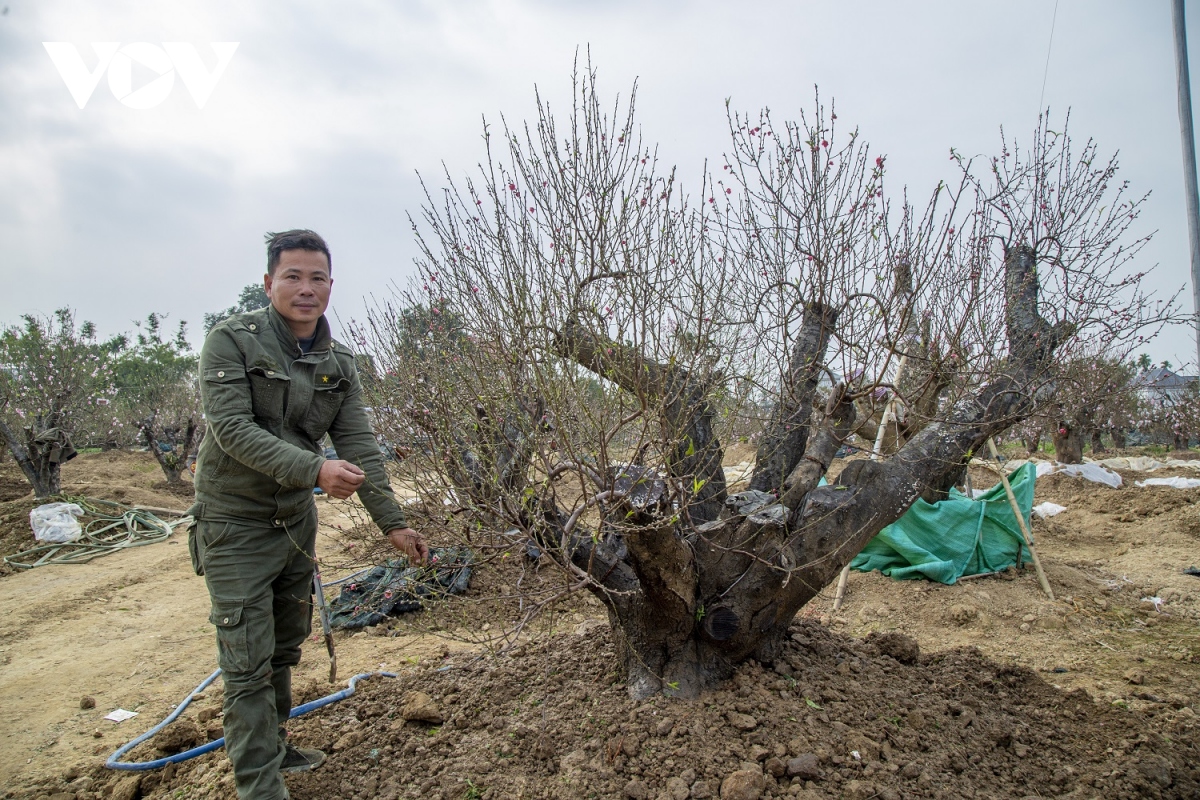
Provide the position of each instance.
(411, 543)
(340, 479)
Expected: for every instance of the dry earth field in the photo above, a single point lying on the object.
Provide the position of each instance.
(984, 689)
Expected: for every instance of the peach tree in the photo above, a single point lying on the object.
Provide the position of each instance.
(608, 313)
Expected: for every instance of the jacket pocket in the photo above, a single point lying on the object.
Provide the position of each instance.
(233, 654)
(268, 393)
(326, 403)
(217, 473)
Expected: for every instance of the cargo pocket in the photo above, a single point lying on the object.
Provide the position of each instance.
(217, 533)
(233, 654)
(195, 550)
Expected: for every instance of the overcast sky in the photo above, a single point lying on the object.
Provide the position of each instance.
(326, 113)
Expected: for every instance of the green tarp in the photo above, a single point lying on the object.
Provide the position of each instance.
(956, 537)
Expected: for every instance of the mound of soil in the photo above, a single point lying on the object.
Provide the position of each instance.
(834, 717)
(15, 533)
(16, 501)
(184, 490)
(13, 488)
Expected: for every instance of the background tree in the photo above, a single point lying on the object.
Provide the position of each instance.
(252, 297)
(426, 339)
(1118, 409)
(158, 396)
(1171, 418)
(1094, 396)
(1184, 417)
(574, 258)
(1030, 432)
(55, 383)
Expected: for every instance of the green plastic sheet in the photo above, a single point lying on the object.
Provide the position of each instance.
(958, 536)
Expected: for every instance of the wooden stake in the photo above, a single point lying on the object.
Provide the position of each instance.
(323, 613)
(840, 594)
(1026, 534)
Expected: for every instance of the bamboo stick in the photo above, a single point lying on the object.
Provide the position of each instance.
(1026, 534)
(840, 594)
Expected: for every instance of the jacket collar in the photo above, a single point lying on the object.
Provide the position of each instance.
(284, 332)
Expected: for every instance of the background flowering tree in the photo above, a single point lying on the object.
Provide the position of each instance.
(158, 398)
(1171, 419)
(1094, 396)
(1184, 418)
(609, 314)
(55, 382)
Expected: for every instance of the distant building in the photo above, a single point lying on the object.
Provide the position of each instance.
(1162, 384)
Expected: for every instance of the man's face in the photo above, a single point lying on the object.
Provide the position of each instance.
(299, 289)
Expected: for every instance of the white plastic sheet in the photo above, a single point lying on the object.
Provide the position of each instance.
(1133, 463)
(1091, 472)
(56, 522)
(1157, 601)
(1146, 464)
(1014, 464)
(1174, 483)
(1048, 509)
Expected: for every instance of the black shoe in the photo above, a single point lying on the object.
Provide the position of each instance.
(300, 759)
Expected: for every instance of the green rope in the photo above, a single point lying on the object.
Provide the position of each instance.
(111, 527)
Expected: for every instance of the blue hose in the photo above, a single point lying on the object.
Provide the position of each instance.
(113, 763)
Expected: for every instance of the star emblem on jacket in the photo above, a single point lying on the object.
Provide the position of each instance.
(324, 379)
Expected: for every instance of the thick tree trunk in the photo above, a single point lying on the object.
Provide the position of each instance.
(1033, 443)
(1097, 442)
(939, 490)
(45, 448)
(692, 595)
(783, 442)
(1118, 437)
(173, 461)
(1068, 444)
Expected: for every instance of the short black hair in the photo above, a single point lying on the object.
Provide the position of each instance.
(299, 239)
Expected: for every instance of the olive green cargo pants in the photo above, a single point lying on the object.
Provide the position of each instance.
(260, 582)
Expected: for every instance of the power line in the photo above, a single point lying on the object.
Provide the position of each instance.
(1046, 71)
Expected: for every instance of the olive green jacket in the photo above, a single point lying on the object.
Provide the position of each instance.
(267, 407)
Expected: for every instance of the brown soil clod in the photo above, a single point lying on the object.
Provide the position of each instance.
(940, 720)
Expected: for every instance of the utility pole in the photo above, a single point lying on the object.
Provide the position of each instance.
(1189, 157)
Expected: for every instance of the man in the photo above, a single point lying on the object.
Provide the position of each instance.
(273, 384)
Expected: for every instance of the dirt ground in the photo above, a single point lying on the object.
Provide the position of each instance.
(912, 689)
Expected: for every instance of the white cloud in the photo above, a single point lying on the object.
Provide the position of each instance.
(326, 111)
